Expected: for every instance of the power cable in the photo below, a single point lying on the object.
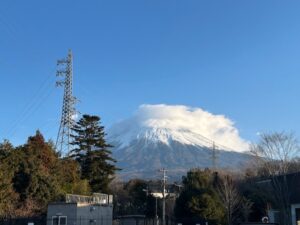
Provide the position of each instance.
(34, 102)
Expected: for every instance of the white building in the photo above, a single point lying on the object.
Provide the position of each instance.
(81, 210)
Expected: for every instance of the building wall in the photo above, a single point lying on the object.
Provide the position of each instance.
(94, 214)
(81, 214)
(62, 209)
(274, 216)
(293, 213)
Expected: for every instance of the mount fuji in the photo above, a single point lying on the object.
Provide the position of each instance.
(177, 138)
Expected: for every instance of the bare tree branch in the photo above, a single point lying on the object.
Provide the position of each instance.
(276, 152)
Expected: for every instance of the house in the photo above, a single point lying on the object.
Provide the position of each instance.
(289, 184)
(81, 210)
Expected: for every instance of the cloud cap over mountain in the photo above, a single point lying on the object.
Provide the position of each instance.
(184, 124)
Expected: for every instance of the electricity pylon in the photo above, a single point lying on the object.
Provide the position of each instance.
(214, 156)
(65, 71)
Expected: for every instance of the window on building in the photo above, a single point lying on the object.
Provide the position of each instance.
(62, 220)
(55, 220)
(59, 220)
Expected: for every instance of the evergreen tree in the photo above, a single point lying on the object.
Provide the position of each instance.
(5, 149)
(8, 197)
(35, 178)
(32, 175)
(198, 198)
(93, 154)
(70, 178)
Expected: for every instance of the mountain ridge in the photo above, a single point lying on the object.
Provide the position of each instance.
(171, 137)
(142, 159)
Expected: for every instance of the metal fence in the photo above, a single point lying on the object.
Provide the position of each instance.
(96, 198)
(24, 221)
(100, 221)
(45, 221)
(142, 221)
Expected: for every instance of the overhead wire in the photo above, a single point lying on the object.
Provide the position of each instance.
(211, 142)
(9, 26)
(33, 104)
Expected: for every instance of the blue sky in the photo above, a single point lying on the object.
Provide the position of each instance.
(237, 58)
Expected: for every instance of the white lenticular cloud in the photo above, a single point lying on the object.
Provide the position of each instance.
(180, 118)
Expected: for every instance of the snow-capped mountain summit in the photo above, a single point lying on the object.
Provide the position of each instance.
(174, 137)
(153, 135)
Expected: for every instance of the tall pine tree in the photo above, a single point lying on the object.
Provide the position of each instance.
(93, 154)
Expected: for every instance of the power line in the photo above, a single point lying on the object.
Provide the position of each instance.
(9, 26)
(211, 142)
(31, 106)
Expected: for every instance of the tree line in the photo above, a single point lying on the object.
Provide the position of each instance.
(34, 174)
(223, 196)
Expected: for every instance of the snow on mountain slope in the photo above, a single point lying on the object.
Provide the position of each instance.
(190, 126)
(177, 138)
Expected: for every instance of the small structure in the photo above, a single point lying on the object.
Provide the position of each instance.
(81, 210)
(290, 184)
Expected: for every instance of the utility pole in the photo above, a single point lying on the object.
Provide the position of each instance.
(156, 217)
(65, 71)
(164, 181)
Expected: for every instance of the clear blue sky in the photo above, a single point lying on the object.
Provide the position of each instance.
(237, 58)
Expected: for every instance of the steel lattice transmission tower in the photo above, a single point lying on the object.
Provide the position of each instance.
(214, 156)
(65, 71)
